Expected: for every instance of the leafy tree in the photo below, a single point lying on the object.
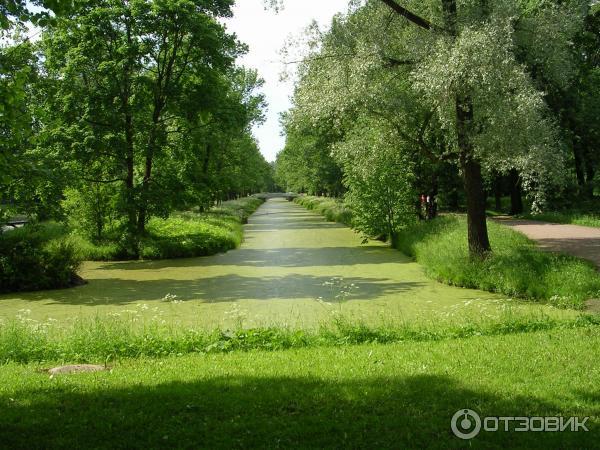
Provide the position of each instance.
(379, 178)
(122, 75)
(18, 74)
(306, 163)
(452, 69)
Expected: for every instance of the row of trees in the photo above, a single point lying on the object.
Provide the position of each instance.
(446, 97)
(129, 109)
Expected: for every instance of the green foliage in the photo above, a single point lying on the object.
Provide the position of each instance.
(332, 208)
(160, 115)
(306, 163)
(517, 268)
(379, 176)
(91, 209)
(37, 257)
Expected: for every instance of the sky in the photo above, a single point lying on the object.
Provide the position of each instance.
(266, 33)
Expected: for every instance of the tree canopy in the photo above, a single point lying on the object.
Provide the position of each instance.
(459, 84)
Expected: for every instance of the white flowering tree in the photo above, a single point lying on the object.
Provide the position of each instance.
(459, 69)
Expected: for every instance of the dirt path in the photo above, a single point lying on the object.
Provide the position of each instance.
(577, 240)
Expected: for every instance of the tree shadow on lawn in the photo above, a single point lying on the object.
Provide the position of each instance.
(226, 288)
(586, 248)
(276, 257)
(286, 412)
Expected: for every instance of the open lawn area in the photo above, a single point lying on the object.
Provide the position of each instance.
(367, 396)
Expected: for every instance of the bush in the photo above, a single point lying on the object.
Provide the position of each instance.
(37, 257)
(90, 210)
(515, 268)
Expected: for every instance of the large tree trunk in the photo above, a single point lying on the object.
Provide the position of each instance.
(516, 197)
(479, 243)
(129, 178)
(129, 194)
(143, 209)
(152, 145)
(579, 165)
(498, 192)
(590, 172)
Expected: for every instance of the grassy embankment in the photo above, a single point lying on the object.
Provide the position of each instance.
(333, 209)
(183, 234)
(401, 395)
(516, 267)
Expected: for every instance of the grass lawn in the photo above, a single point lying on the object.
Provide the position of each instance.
(587, 219)
(399, 395)
(515, 267)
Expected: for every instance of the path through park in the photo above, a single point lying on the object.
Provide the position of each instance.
(293, 268)
(577, 240)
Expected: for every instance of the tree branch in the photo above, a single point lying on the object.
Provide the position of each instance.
(417, 20)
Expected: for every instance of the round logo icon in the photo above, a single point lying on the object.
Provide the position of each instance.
(466, 424)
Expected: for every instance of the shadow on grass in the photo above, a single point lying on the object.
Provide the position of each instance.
(287, 412)
(226, 288)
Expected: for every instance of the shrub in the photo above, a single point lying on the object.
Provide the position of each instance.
(90, 210)
(37, 257)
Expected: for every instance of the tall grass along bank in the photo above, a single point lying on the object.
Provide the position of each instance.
(332, 209)
(516, 267)
(108, 338)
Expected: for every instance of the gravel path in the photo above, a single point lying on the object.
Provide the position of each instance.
(577, 240)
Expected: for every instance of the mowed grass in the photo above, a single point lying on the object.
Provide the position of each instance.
(587, 219)
(400, 395)
(515, 268)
